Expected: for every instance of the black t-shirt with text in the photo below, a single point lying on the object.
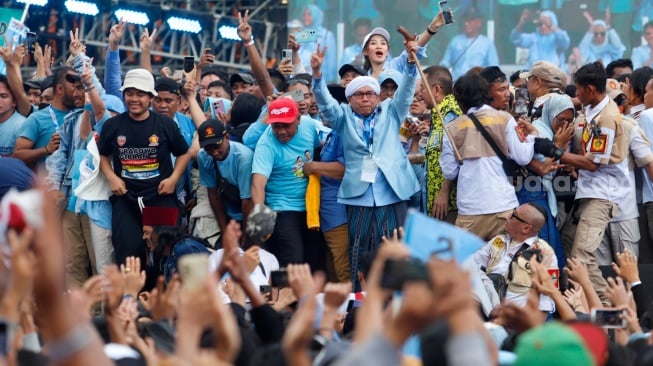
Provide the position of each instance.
(141, 149)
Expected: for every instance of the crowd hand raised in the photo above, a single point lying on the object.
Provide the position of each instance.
(12, 57)
(232, 261)
(627, 266)
(292, 43)
(286, 67)
(438, 20)
(115, 34)
(166, 72)
(76, 47)
(632, 323)
(114, 289)
(251, 258)
(616, 292)
(335, 294)
(299, 333)
(21, 271)
(147, 39)
(573, 297)
(164, 301)
(541, 280)
(190, 87)
(244, 29)
(93, 289)
(133, 276)
(577, 270)
(285, 298)
(300, 279)
(87, 75)
(206, 59)
(317, 59)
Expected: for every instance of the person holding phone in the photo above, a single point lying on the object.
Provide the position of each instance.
(547, 43)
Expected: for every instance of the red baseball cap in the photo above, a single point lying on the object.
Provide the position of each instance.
(282, 110)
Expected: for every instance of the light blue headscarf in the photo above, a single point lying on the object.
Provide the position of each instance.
(552, 107)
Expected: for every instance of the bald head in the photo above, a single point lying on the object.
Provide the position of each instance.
(535, 215)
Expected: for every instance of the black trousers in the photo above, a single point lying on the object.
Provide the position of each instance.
(127, 223)
(292, 241)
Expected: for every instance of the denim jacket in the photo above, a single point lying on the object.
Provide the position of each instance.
(59, 165)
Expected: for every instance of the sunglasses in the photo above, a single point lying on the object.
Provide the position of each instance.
(599, 34)
(72, 78)
(514, 216)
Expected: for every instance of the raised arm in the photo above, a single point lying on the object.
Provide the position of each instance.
(146, 49)
(258, 66)
(112, 69)
(432, 28)
(80, 60)
(99, 109)
(327, 105)
(42, 59)
(196, 112)
(13, 60)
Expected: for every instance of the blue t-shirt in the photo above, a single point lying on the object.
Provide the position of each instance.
(332, 213)
(283, 165)
(9, 133)
(40, 126)
(236, 169)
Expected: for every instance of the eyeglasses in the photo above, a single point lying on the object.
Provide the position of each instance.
(559, 119)
(599, 34)
(514, 216)
(360, 95)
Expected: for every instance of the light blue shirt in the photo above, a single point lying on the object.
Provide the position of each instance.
(646, 124)
(611, 50)
(236, 169)
(332, 213)
(463, 53)
(640, 55)
(350, 54)
(9, 133)
(550, 47)
(283, 165)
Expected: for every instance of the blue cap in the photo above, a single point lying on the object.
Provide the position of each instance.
(113, 103)
(390, 74)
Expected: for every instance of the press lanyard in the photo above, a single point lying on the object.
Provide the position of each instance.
(54, 117)
(368, 134)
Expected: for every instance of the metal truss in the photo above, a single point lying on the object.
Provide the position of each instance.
(172, 46)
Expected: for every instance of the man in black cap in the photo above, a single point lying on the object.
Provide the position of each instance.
(166, 102)
(349, 72)
(226, 171)
(498, 87)
(47, 92)
(241, 82)
(33, 90)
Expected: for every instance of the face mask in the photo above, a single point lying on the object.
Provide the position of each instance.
(43, 105)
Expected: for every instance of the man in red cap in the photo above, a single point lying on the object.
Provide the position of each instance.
(278, 181)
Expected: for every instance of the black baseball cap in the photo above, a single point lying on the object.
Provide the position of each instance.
(243, 77)
(48, 82)
(164, 84)
(349, 67)
(492, 74)
(211, 132)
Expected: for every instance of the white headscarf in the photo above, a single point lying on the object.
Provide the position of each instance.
(360, 82)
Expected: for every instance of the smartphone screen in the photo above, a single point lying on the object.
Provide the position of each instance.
(189, 63)
(608, 318)
(296, 95)
(218, 107)
(31, 42)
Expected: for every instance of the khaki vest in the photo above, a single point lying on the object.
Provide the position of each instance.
(469, 140)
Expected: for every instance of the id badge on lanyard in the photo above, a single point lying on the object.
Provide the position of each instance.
(369, 169)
